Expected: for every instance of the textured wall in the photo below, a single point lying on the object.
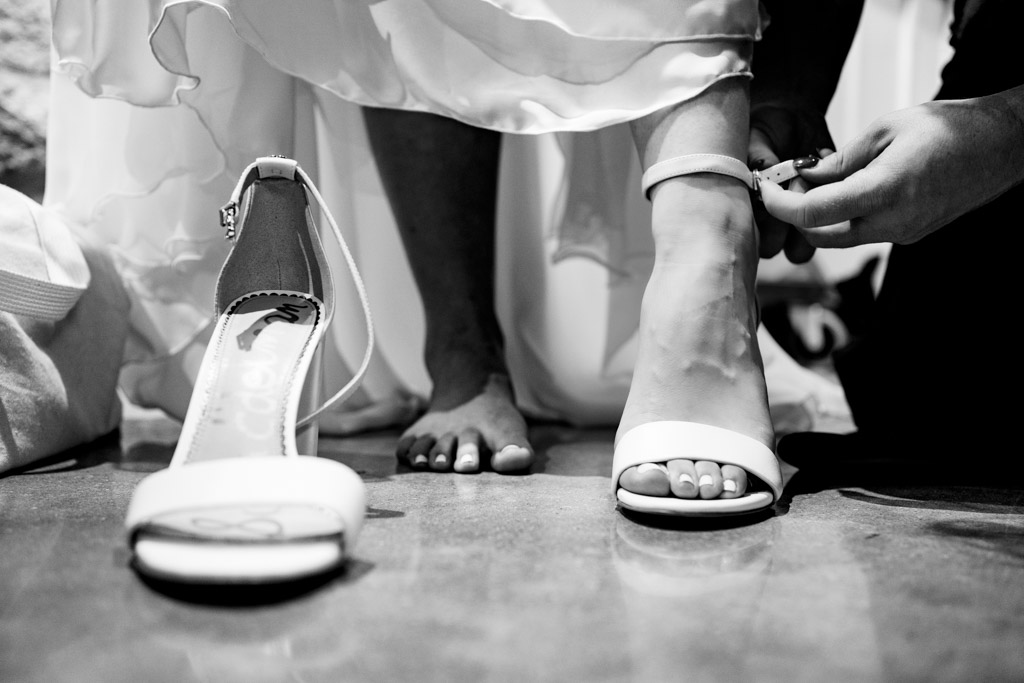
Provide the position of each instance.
(24, 67)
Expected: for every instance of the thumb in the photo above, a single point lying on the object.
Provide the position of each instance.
(827, 204)
(835, 166)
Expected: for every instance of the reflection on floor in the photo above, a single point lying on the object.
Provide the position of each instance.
(528, 578)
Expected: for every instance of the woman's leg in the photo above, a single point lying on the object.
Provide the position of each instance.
(441, 180)
(698, 358)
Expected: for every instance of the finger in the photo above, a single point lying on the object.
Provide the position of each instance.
(797, 248)
(851, 233)
(838, 165)
(836, 236)
(772, 232)
(857, 195)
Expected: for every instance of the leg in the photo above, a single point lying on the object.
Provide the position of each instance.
(441, 179)
(698, 359)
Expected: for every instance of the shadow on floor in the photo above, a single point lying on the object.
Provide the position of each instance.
(911, 485)
(259, 595)
(678, 523)
(106, 448)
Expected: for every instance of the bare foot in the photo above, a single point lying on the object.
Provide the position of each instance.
(457, 438)
(698, 359)
(441, 177)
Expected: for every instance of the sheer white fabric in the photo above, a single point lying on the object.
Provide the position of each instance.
(158, 106)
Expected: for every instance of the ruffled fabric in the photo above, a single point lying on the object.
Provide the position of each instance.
(158, 106)
(528, 66)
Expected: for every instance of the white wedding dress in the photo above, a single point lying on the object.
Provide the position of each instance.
(158, 105)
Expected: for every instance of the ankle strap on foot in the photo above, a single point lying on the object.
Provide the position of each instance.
(715, 163)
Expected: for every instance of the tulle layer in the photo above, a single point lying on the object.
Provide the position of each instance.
(157, 107)
(522, 66)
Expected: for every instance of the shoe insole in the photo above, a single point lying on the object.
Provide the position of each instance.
(256, 380)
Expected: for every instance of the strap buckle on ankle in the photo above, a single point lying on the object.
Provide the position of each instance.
(283, 167)
(716, 163)
(273, 166)
(779, 173)
(228, 212)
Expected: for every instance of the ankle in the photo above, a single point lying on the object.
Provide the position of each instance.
(708, 209)
(460, 374)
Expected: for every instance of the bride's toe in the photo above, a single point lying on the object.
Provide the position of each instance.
(682, 475)
(648, 479)
(734, 481)
(709, 479)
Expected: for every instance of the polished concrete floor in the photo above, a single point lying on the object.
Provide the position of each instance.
(528, 578)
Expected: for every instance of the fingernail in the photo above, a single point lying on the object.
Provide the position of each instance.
(705, 480)
(729, 485)
(419, 460)
(441, 459)
(805, 162)
(685, 479)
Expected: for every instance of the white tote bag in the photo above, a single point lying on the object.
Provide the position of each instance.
(63, 325)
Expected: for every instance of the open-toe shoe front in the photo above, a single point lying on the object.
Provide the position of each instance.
(662, 441)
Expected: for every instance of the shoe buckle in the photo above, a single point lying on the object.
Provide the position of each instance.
(227, 219)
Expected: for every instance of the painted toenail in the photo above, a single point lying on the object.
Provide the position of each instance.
(419, 460)
(511, 448)
(685, 479)
(441, 459)
(729, 485)
(647, 467)
(705, 480)
(467, 458)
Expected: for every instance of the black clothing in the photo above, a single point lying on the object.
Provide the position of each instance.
(939, 365)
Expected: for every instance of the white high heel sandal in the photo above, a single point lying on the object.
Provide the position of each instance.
(238, 503)
(661, 441)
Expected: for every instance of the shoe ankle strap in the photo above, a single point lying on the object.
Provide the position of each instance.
(715, 163)
(274, 166)
(282, 167)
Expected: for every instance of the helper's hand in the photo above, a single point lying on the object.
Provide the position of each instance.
(910, 173)
(781, 131)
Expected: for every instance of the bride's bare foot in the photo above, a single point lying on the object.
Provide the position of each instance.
(698, 359)
(457, 435)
